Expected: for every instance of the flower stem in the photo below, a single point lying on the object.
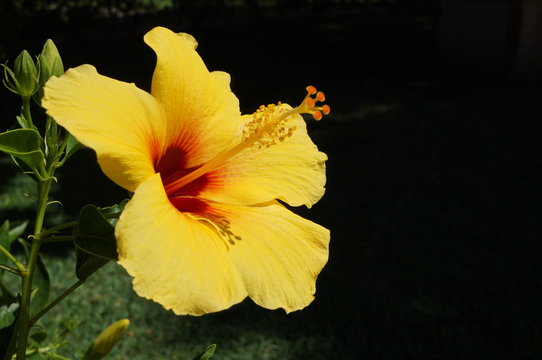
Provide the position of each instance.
(60, 238)
(9, 269)
(57, 228)
(46, 234)
(12, 258)
(26, 111)
(56, 301)
(24, 313)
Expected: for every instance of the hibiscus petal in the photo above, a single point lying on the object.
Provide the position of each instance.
(122, 123)
(202, 113)
(292, 170)
(175, 259)
(278, 253)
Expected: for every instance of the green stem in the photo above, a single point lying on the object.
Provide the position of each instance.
(57, 228)
(60, 238)
(46, 233)
(26, 112)
(9, 269)
(24, 311)
(56, 301)
(12, 258)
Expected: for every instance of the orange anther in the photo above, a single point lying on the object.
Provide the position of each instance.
(320, 96)
(317, 115)
(310, 102)
(326, 109)
(311, 90)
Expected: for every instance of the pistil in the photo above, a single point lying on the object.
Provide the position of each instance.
(263, 126)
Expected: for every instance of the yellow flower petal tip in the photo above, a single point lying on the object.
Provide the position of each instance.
(205, 228)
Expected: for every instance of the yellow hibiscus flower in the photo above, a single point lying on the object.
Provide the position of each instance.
(204, 229)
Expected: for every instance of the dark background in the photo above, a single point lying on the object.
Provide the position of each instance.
(432, 145)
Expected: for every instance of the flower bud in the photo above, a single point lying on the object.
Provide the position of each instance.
(103, 344)
(50, 62)
(25, 75)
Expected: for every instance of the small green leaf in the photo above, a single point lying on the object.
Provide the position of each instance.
(102, 345)
(87, 264)
(17, 230)
(94, 234)
(25, 245)
(39, 336)
(114, 209)
(42, 285)
(7, 315)
(22, 121)
(10, 81)
(72, 145)
(207, 353)
(23, 144)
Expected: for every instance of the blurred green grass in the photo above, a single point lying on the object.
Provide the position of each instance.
(241, 333)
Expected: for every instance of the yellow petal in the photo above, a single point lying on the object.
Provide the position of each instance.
(175, 259)
(291, 170)
(122, 123)
(202, 113)
(278, 254)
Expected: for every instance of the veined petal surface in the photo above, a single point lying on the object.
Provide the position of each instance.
(123, 124)
(292, 170)
(277, 253)
(175, 259)
(198, 262)
(202, 113)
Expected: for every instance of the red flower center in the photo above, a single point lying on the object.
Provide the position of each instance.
(172, 166)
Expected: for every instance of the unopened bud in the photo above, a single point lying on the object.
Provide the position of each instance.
(52, 61)
(49, 64)
(26, 75)
(102, 345)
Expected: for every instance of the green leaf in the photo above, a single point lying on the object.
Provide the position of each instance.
(23, 144)
(41, 285)
(10, 81)
(38, 337)
(17, 230)
(72, 145)
(114, 209)
(87, 264)
(22, 121)
(94, 234)
(25, 245)
(207, 353)
(7, 315)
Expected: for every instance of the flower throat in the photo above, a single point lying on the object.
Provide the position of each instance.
(267, 127)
